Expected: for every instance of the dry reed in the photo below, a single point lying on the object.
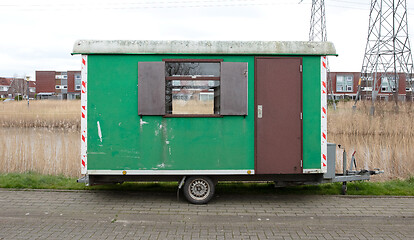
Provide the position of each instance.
(45, 114)
(386, 121)
(46, 151)
(384, 140)
(392, 154)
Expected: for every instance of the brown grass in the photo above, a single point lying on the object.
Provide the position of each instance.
(44, 137)
(46, 151)
(385, 122)
(45, 114)
(394, 155)
(383, 141)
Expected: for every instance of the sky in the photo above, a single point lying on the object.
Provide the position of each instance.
(39, 34)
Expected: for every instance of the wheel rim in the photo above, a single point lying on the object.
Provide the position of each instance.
(199, 189)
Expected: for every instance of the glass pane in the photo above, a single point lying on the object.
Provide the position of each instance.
(340, 83)
(384, 81)
(339, 79)
(191, 69)
(349, 80)
(192, 97)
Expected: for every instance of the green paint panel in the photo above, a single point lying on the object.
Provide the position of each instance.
(312, 112)
(154, 142)
(157, 143)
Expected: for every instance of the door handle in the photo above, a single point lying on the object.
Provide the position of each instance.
(259, 111)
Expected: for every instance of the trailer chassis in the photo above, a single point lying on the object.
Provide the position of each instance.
(195, 186)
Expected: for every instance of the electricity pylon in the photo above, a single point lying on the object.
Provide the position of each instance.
(317, 32)
(387, 52)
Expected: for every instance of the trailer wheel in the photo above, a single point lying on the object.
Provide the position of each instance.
(198, 190)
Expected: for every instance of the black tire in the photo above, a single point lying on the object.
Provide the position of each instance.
(198, 190)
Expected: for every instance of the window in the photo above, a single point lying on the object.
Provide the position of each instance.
(366, 83)
(78, 82)
(388, 84)
(57, 87)
(32, 89)
(192, 87)
(344, 83)
(61, 75)
(408, 85)
(187, 84)
(4, 88)
(64, 87)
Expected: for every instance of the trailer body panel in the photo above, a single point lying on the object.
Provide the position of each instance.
(120, 138)
(131, 142)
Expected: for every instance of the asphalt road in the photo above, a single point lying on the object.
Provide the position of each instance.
(44, 214)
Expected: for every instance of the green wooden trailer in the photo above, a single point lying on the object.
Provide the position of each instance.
(198, 112)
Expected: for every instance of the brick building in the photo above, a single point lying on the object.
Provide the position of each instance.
(58, 84)
(12, 87)
(4, 87)
(345, 85)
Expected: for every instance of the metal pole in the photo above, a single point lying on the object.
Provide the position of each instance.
(27, 90)
(344, 162)
(394, 37)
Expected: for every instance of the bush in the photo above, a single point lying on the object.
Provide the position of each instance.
(18, 98)
(330, 101)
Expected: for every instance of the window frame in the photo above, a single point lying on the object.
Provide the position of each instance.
(390, 85)
(344, 84)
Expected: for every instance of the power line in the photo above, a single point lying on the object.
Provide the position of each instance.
(110, 5)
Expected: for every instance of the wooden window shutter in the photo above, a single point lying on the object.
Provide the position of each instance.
(151, 88)
(233, 88)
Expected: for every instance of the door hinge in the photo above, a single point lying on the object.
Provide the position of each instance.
(301, 116)
(301, 163)
(300, 68)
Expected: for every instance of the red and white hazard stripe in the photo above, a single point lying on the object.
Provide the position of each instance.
(324, 109)
(84, 130)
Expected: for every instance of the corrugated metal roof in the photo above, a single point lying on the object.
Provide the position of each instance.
(202, 47)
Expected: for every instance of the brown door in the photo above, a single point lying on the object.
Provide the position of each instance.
(278, 105)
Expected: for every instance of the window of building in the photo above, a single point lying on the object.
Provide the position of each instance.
(409, 85)
(57, 87)
(32, 89)
(192, 87)
(388, 84)
(344, 83)
(366, 84)
(78, 87)
(4, 88)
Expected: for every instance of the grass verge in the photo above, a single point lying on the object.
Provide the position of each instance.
(37, 181)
